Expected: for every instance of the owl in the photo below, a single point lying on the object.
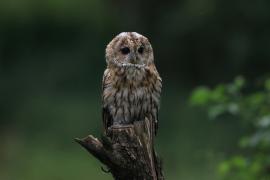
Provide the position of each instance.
(131, 83)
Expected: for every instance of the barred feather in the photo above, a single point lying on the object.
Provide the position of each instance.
(131, 92)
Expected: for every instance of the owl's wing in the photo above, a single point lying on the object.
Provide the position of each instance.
(107, 119)
(156, 124)
(157, 93)
(106, 116)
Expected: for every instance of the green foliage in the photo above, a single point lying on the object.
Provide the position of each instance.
(52, 60)
(250, 105)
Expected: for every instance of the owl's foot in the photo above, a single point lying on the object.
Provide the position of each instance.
(120, 126)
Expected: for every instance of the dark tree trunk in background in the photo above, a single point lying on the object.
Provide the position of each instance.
(127, 151)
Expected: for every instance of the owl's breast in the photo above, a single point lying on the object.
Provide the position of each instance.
(131, 98)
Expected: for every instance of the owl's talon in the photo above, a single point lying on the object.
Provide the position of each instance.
(105, 170)
(121, 126)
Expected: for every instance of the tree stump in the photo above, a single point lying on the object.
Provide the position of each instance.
(127, 151)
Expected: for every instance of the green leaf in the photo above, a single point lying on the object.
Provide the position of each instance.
(224, 168)
(256, 99)
(244, 142)
(264, 121)
(233, 108)
(216, 111)
(200, 96)
(239, 162)
(239, 82)
(218, 94)
(267, 84)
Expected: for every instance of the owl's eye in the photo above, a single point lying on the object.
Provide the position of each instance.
(125, 50)
(140, 50)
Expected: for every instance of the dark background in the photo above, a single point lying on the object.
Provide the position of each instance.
(52, 62)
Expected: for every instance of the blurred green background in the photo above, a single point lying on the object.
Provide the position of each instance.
(52, 62)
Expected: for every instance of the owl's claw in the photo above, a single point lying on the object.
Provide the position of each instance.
(105, 170)
(121, 126)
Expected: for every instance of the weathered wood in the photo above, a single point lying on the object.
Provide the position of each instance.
(127, 151)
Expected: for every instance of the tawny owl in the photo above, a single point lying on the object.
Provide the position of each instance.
(131, 84)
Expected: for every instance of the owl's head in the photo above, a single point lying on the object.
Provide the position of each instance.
(129, 49)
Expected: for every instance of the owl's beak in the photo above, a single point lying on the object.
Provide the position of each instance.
(132, 58)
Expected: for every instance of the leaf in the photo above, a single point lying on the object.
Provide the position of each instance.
(239, 82)
(239, 161)
(200, 96)
(235, 87)
(256, 99)
(233, 108)
(218, 94)
(267, 84)
(244, 142)
(260, 138)
(216, 111)
(224, 168)
(264, 122)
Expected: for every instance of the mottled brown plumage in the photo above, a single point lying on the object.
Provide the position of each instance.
(131, 84)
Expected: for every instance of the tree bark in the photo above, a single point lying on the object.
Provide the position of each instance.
(127, 151)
